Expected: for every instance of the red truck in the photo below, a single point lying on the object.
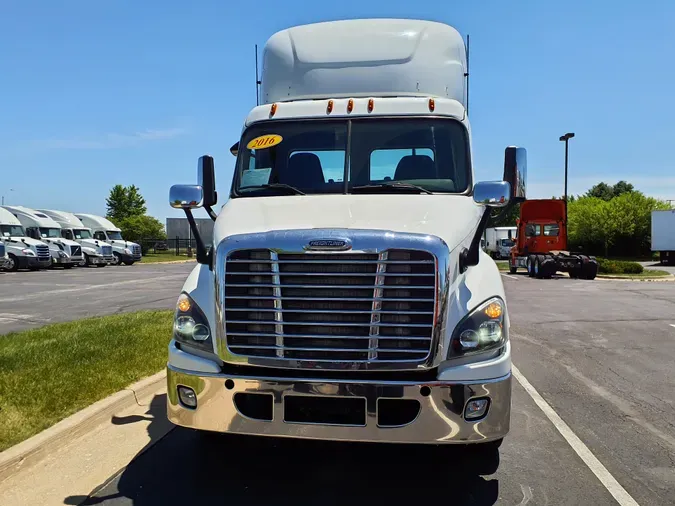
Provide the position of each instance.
(541, 246)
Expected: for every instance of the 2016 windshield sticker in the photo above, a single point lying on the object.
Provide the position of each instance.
(265, 141)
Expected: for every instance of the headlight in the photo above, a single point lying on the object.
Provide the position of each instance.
(62, 254)
(481, 330)
(190, 326)
(28, 252)
(127, 251)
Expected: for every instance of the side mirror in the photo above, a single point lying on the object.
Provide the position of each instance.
(206, 179)
(235, 149)
(515, 172)
(186, 196)
(492, 193)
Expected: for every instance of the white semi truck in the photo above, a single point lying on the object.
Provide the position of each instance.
(22, 251)
(95, 252)
(4, 259)
(499, 241)
(124, 252)
(65, 253)
(345, 295)
(663, 235)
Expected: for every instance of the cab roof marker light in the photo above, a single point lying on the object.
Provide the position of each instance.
(273, 110)
(371, 104)
(350, 105)
(432, 105)
(329, 107)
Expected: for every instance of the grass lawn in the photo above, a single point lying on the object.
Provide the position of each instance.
(502, 265)
(164, 256)
(646, 274)
(49, 373)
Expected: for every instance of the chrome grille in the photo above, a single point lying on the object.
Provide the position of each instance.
(136, 250)
(106, 251)
(42, 251)
(338, 307)
(75, 251)
(2, 250)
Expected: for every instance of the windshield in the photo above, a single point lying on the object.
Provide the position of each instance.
(82, 233)
(508, 242)
(12, 230)
(114, 236)
(312, 156)
(51, 233)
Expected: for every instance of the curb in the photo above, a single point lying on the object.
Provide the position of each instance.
(171, 262)
(34, 449)
(660, 279)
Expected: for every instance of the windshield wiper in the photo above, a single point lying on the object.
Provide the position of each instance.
(279, 186)
(393, 184)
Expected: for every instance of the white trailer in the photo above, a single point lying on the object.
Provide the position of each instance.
(23, 252)
(124, 252)
(65, 253)
(499, 241)
(95, 252)
(663, 235)
(350, 245)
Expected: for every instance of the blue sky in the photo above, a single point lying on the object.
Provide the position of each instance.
(94, 94)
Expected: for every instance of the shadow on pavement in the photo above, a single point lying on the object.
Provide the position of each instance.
(190, 467)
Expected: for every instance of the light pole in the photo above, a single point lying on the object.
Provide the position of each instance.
(566, 138)
(3, 197)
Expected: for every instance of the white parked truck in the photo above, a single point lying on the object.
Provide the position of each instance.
(23, 252)
(65, 253)
(345, 295)
(663, 235)
(499, 241)
(95, 252)
(124, 252)
(4, 259)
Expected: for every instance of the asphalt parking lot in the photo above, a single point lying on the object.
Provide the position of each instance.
(35, 298)
(592, 412)
(592, 423)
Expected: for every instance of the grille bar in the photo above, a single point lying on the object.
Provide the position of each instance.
(330, 307)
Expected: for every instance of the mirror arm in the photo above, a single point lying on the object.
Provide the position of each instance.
(202, 256)
(469, 257)
(211, 212)
(504, 210)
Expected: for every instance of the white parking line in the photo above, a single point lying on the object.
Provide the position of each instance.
(510, 276)
(672, 324)
(609, 482)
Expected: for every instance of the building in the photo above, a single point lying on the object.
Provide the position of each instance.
(180, 228)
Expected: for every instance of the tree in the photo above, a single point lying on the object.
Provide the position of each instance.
(607, 192)
(137, 228)
(125, 201)
(507, 219)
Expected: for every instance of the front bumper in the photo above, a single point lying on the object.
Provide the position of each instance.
(66, 260)
(131, 258)
(440, 418)
(33, 262)
(96, 260)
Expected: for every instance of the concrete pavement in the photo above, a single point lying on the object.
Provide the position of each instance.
(34, 298)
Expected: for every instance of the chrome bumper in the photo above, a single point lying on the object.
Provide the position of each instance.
(440, 418)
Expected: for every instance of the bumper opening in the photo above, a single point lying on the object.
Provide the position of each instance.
(255, 406)
(397, 412)
(325, 410)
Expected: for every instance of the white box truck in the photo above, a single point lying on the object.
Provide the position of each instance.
(124, 252)
(499, 241)
(95, 252)
(65, 253)
(345, 295)
(663, 235)
(23, 252)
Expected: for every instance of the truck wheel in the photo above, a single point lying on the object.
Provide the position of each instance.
(530, 266)
(129, 263)
(12, 264)
(117, 259)
(589, 269)
(538, 267)
(67, 266)
(87, 261)
(512, 269)
(102, 265)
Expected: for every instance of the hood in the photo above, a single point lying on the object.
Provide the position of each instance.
(65, 242)
(122, 243)
(24, 241)
(449, 217)
(93, 243)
